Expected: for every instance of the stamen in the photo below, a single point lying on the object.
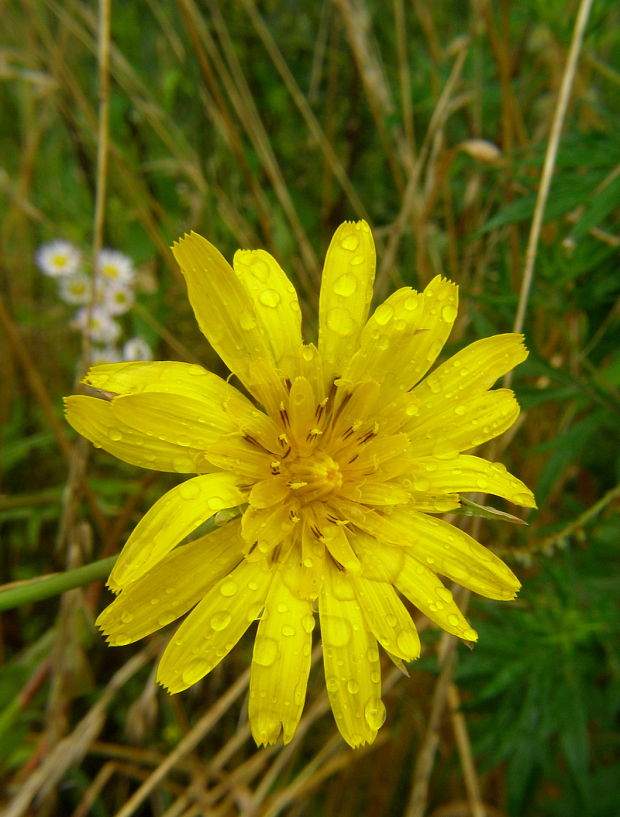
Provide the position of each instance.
(284, 416)
(275, 467)
(347, 397)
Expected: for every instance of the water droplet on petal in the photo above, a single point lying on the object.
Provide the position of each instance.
(449, 313)
(372, 654)
(194, 671)
(228, 588)
(266, 651)
(350, 242)
(127, 617)
(340, 321)
(189, 489)
(288, 631)
(383, 314)
(307, 622)
(115, 435)
(460, 410)
(345, 285)
(407, 643)
(336, 631)
(269, 298)
(353, 686)
(221, 620)
(332, 683)
(374, 712)
(247, 321)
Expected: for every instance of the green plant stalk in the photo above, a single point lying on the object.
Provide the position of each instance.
(47, 586)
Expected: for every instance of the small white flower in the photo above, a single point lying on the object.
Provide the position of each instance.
(58, 258)
(137, 349)
(100, 326)
(117, 298)
(113, 265)
(105, 354)
(74, 289)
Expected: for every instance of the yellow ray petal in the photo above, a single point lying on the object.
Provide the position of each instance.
(280, 664)
(275, 305)
(213, 628)
(172, 587)
(375, 492)
(446, 550)
(387, 618)
(351, 661)
(174, 418)
(189, 381)
(459, 426)
(226, 315)
(474, 368)
(467, 473)
(173, 517)
(424, 589)
(93, 419)
(346, 291)
(403, 337)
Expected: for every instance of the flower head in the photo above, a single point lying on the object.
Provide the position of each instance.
(137, 349)
(335, 468)
(75, 288)
(57, 258)
(114, 266)
(97, 322)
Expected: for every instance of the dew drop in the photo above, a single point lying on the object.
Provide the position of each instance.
(228, 588)
(189, 489)
(460, 410)
(383, 314)
(332, 683)
(350, 242)
(372, 654)
(164, 618)
(412, 302)
(449, 313)
(345, 285)
(247, 321)
(288, 631)
(336, 631)
(127, 617)
(340, 321)
(219, 621)
(266, 651)
(307, 622)
(352, 686)
(115, 435)
(453, 619)
(407, 643)
(195, 670)
(269, 298)
(374, 712)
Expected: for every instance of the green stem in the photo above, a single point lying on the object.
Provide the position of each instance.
(44, 587)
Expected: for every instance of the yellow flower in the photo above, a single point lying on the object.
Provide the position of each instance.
(328, 473)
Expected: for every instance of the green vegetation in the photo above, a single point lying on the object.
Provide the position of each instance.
(266, 125)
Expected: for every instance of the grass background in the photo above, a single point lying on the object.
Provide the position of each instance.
(266, 125)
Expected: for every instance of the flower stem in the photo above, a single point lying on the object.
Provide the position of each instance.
(19, 593)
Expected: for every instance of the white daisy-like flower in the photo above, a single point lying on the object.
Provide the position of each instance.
(137, 349)
(101, 327)
(114, 266)
(105, 354)
(74, 289)
(58, 258)
(116, 298)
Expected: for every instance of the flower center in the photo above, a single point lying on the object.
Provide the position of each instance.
(314, 477)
